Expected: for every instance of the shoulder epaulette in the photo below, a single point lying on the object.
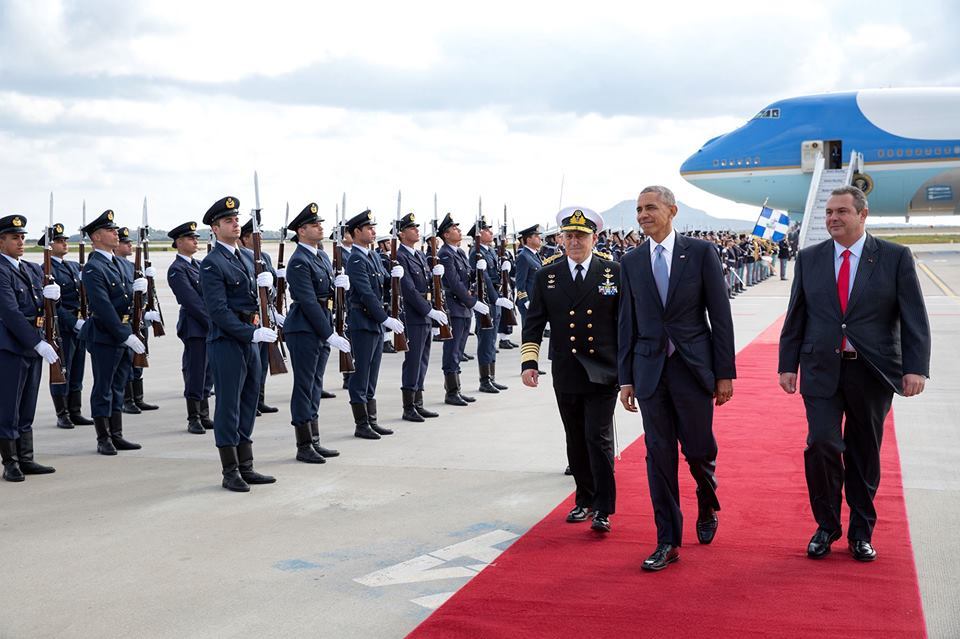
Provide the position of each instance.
(603, 255)
(553, 258)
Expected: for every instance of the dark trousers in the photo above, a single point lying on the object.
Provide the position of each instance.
(487, 337)
(680, 410)
(417, 358)
(197, 378)
(236, 377)
(305, 350)
(73, 358)
(452, 348)
(844, 433)
(322, 358)
(522, 309)
(367, 347)
(111, 372)
(502, 327)
(588, 424)
(18, 393)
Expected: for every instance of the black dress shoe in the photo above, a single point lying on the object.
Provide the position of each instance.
(663, 556)
(568, 471)
(388, 347)
(707, 523)
(467, 357)
(601, 522)
(327, 395)
(862, 550)
(819, 546)
(578, 514)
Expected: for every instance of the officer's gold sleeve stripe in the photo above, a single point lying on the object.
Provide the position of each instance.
(529, 352)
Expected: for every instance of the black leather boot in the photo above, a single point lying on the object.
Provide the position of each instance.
(73, 406)
(315, 439)
(129, 406)
(63, 413)
(451, 384)
(116, 434)
(361, 422)
(25, 456)
(245, 464)
(372, 419)
(231, 473)
(493, 377)
(11, 465)
(262, 405)
(305, 451)
(410, 413)
(193, 418)
(466, 398)
(138, 396)
(204, 407)
(486, 383)
(324, 394)
(104, 443)
(418, 405)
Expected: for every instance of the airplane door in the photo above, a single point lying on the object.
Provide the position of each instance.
(809, 150)
(834, 154)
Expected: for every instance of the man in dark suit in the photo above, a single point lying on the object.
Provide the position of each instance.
(854, 349)
(579, 297)
(674, 364)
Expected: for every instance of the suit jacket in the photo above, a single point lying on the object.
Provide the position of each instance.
(184, 280)
(886, 320)
(67, 275)
(414, 286)
(367, 281)
(21, 303)
(229, 289)
(696, 290)
(109, 299)
(310, 283)
(583, 325)
(456, 280)
(528, 263)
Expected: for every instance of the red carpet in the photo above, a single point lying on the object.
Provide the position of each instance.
(560, 580)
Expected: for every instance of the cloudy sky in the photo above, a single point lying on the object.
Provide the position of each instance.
(180, 101)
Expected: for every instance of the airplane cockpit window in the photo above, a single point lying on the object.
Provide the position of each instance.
(768, 114)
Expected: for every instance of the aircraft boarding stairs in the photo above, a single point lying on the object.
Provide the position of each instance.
(813, 227)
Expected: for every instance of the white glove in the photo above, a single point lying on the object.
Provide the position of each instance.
(396, 271)
(481, 308)
(264, 335)
(481, 264)
(140, 285)
(265, 280)
(503, 302)
(52, 292)
(133, 343)
(438, 270)
(149, 272)
(393, 324)
(505, 265)
(46, 351)
(439, 316)
(339, 342)
(79, 325)
(435, 331)
(279, 318)
(281, 273)
(342, 281)
(152, 316)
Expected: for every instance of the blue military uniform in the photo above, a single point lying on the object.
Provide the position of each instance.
(193, 324)
(230, 296)
(486, 337)
(528, 263)
(109, 302)
(456, 289)
(21, 321)
(267, 263)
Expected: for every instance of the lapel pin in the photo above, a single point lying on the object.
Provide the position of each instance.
(682, 256)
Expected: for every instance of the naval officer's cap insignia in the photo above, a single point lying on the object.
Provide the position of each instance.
(17, 221)
(110, 215)
(230, 203)
(193, 226)
(314, 209)
(579, 219)
(412, 219)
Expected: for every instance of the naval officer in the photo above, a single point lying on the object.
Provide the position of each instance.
(230, 295)
(309, 330)
(22, 349)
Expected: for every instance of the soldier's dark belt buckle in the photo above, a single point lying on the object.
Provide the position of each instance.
(38, 321)
(125, 319)
(848, 355)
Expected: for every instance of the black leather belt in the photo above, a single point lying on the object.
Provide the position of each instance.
(848, 354)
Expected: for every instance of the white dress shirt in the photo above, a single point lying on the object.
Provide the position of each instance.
(667, 245)
(573, 267)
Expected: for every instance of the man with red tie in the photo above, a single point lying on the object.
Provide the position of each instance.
(857, 329)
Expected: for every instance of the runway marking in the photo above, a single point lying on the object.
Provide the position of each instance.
(428, 567)
(936, 280)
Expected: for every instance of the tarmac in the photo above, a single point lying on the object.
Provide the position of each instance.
(148, 544)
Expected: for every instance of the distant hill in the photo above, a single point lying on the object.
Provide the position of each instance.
(624, 215)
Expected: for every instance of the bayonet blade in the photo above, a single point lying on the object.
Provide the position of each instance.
(145, 224)
(84, 219)
(286, 217)
(256, 191)
(343, 207)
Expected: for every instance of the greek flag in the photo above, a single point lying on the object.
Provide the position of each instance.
(772, 225)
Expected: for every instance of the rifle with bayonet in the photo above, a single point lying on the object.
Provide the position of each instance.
(396, 304)
(282, 281)
(82, 254)
(509, 315)
(339, 298)
(438, 301)
(140, 360)
(152, 304)
(275, 357)
(51, 331)
(485, 320)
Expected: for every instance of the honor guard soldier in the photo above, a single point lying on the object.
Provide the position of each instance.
(418, 318)
(133, 403)
(483, 259)
(579, 296)
(508, 264)
(22, 349)
(309, 330)
(528, 263)
(107, 333)
(456, 289)
(383, 252)
(344, 246)
(246, 241)
(366, 324)
(66, 397)
(183, 278)
(229, 285)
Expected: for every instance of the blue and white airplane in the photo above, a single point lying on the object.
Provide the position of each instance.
(909, 140)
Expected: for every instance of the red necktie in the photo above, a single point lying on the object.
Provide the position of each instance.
(843, 288)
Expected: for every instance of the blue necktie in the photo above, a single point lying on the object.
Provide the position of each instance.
(660, 274)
